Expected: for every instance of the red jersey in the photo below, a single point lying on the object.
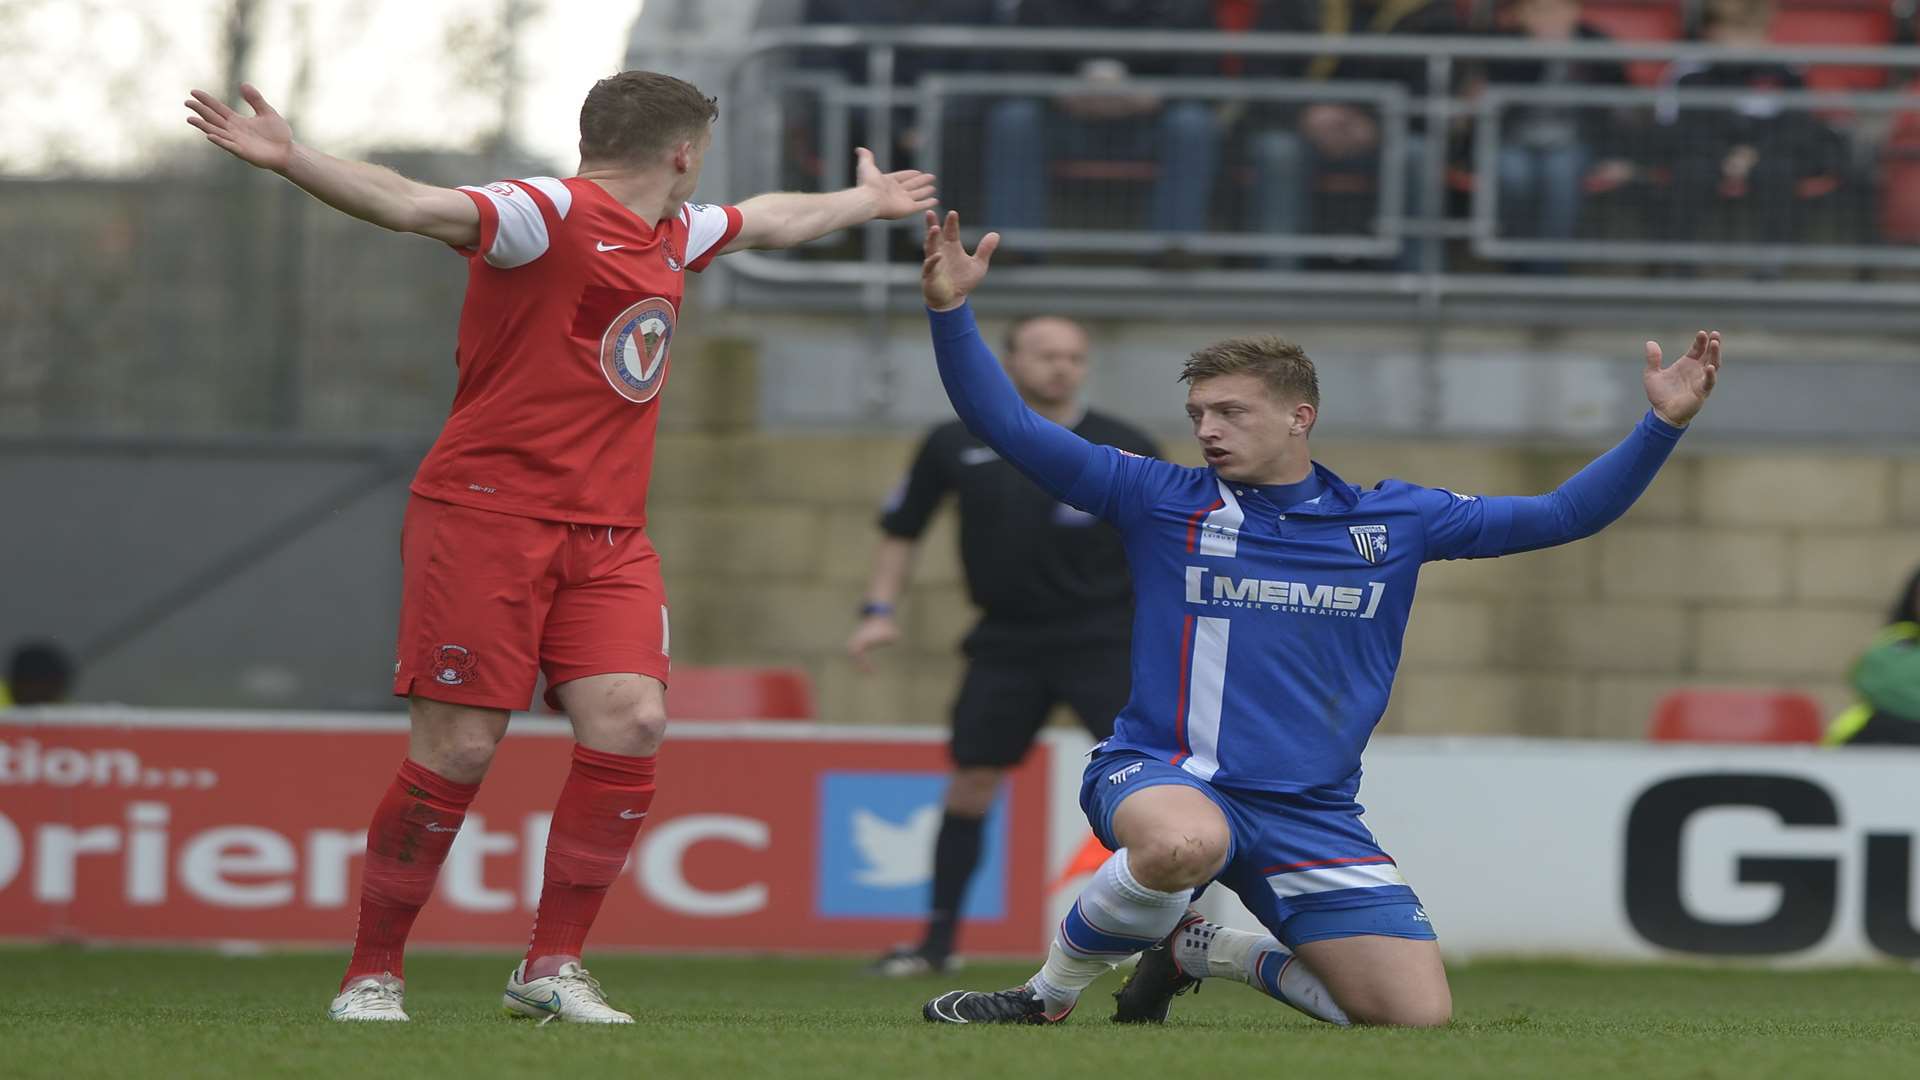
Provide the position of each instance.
(571, 305)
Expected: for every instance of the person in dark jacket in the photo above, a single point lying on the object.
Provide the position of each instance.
(910, 65)
(1759, 159)
(1295, 150)
(1548, 151)
(1055, 598)
(1025, 135)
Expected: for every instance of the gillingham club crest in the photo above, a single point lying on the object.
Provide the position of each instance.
(633, 352)
(1370, 541)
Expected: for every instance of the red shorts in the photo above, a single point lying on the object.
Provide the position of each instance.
(491, 601)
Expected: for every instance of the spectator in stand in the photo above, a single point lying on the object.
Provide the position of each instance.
(909, 66)
(1024, 135)
(1548, 152)
(1887, 678)
(1303, 158)
(39, 673)
(1760, 159)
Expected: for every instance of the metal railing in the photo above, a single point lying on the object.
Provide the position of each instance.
(1857, 252)
(1425, 259)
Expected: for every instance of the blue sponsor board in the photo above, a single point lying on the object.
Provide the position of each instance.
(877, 831)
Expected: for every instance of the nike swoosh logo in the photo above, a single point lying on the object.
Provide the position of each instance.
(599, 246)
(431, 827)
(631, 816)
(978, 455)
(551, 1004)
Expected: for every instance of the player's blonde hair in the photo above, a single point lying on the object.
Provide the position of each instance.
(637, 115)
(1279, 363)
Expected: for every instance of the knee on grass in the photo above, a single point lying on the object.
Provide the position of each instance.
(1397, 1011)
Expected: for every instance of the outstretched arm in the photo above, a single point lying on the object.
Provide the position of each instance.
(783, 219)
(1592, 498)
(985, 400)
(1597, 495)
(368, 192)
(982, 395)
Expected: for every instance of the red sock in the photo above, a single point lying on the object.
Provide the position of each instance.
(412, 829)
(600, 810)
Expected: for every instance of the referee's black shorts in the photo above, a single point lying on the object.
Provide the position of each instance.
(1005, 698)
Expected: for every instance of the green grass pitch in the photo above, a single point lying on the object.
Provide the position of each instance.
(80, 1013)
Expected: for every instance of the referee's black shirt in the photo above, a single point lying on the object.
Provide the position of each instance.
(1043, 574)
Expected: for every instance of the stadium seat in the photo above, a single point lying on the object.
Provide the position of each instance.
(740, 693)
(1900, 178)
(1866, 23)
(1639, 20)
(1741, 716)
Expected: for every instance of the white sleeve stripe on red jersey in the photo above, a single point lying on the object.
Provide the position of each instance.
(706, 225)
(556, 192)
(522, 233)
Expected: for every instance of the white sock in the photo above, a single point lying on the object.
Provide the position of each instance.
(1114, 917)
(1208, 951)
(1060, 980)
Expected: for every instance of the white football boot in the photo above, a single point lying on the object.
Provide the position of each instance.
(572, 996)
(376, 997)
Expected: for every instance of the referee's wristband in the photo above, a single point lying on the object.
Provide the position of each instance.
(874, 607)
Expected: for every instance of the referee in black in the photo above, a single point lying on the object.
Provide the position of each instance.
(1055, 599)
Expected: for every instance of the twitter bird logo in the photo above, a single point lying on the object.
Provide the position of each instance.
(895, 855)
(876, 837)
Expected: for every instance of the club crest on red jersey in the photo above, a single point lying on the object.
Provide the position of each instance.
(633, 351)
(453, 665)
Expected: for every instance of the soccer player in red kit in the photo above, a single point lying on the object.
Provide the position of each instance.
(524, 549)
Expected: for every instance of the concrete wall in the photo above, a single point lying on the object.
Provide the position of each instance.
(1738, 567)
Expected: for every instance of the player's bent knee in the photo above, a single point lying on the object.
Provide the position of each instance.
(1177, 858)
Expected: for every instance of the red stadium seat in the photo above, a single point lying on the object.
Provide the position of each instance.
(1867, 23)
(740, 693)
(1639, 20)
(1900, 202)
(1900, 178)
(1742, 716)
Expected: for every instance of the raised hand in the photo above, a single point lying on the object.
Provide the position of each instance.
(263, 139)
(1678, 390)
(949, 273)
(895, 194)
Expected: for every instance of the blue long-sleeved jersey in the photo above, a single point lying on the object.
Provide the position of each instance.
(1265, 637)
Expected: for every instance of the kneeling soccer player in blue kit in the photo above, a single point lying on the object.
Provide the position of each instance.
(1271, 598)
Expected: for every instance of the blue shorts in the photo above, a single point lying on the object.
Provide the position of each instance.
(1303, 864)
